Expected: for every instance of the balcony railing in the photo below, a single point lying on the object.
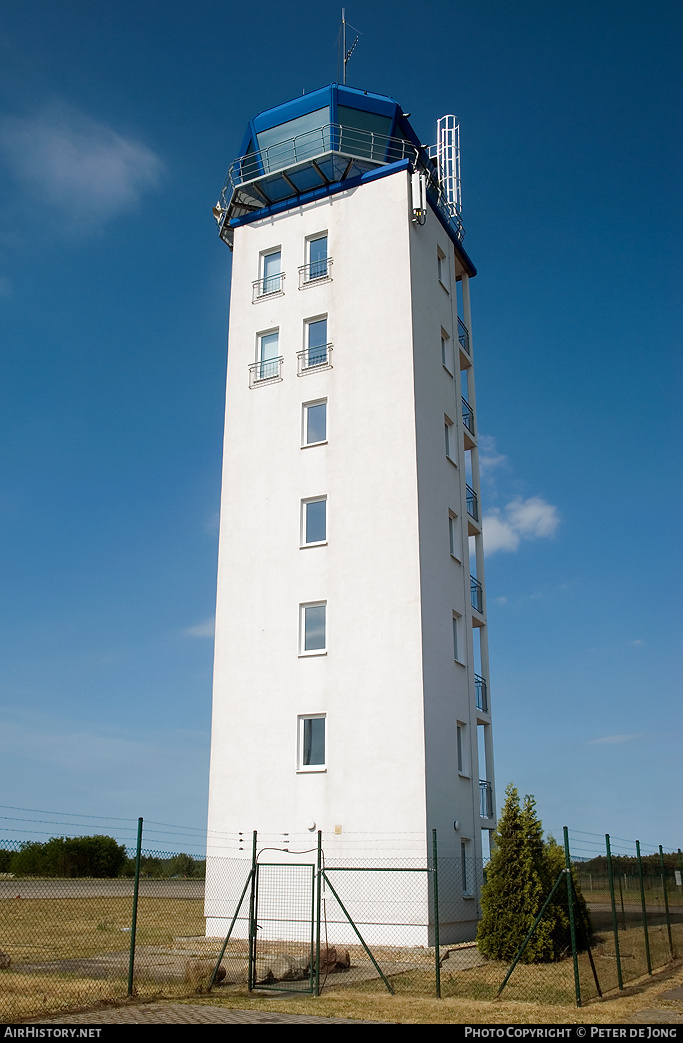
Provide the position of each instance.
(472, 503)
(482, 694)
(317, 271)
(476, 594)
(266, 371)
(268, 287)
(315, 159)
(314, 358)
(485, 799)
(463, 336)
(468, 416)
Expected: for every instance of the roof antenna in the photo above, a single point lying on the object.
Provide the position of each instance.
(346, 54)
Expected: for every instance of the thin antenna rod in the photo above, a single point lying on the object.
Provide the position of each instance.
(346, 54)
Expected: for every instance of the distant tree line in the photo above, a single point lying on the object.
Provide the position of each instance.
(629, 864)
(97, 856)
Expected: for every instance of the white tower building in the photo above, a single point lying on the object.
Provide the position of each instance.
(351, 666)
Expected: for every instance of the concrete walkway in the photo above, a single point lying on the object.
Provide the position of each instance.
(192, 1014)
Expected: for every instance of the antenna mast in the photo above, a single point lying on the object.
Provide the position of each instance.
(346, 54)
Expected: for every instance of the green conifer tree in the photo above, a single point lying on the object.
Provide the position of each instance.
(517, 884)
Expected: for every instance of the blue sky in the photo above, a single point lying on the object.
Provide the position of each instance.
(117, 124)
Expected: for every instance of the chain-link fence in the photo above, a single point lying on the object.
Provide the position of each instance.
(312, 924)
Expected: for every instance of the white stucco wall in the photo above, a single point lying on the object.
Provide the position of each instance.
(388, 684)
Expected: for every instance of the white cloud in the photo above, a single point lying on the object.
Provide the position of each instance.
(489, 457)
(77, 172)
(616, 739)
(529, 519)
(205, 629)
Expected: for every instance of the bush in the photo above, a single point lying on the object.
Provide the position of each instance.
(519, 878)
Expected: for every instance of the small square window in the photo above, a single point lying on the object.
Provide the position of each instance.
(314, 422)
(313, 521)
(311, 742)
(313, 640)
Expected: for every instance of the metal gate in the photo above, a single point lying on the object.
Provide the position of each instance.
(283, 927)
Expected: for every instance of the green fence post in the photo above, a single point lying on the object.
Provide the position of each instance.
(134, 921)
(572, 925)
(666, 904)
(252, 918)
(436, 915)
(615, 925)
(644, 908)
(317, 913)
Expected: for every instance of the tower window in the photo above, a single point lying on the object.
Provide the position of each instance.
(271, 278)
(442, 269)
(447, 353)
(449, 436)
(318, 262)
(313, 628)
(317, 257)
(314, 422)
(316, 353)
(314, 521)
(454, 535)
(268, 365)
(311, 742)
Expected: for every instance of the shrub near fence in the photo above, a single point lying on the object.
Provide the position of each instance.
(70, 940)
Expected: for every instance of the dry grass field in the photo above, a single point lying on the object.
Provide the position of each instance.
(72, 953)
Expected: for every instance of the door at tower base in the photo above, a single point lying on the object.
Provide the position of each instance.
(388, 905)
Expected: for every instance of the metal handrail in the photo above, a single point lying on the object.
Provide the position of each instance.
(476, 594)
(316, 271)
(317, 357)
(349, 141)
(268, 286)
(468, 416)
(472, 502)
(485, 799)
(266, 370)
(481, 691)
(332, 137)
(463, 335)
